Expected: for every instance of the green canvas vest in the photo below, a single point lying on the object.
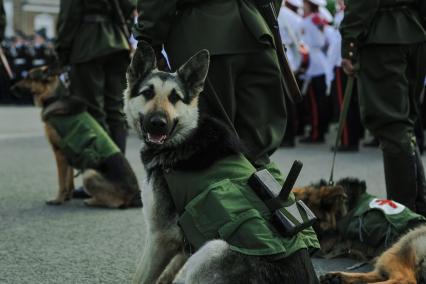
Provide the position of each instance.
(211, 207)
(84, 142)
(377, 222)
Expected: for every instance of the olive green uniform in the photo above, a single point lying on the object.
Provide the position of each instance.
(243, 87)
(387, 40)
(91, 40)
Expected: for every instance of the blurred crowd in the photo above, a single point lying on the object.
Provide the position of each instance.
(310, 32)
(24, 52)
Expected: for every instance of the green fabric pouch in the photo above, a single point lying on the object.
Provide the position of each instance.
(370, 225)
(83, 141)
(223, 211)
(81, 151)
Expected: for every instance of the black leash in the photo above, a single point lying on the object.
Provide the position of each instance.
(343, 114)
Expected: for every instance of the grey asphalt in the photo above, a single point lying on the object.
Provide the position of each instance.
(75, 244)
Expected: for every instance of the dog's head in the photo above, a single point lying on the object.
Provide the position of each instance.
(40, 83)
(163, 107)
(327, 202)
(354, 188)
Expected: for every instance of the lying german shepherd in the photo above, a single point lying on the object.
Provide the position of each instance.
(163, 109)
(403, 263)
(111, 182)
(334, 205)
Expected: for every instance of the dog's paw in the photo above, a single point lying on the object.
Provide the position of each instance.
(331, 278)
(55, 202)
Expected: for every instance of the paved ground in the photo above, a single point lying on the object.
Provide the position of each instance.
(76, 244)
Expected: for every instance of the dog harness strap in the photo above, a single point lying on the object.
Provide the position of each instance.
(84, 142)
(212, 207)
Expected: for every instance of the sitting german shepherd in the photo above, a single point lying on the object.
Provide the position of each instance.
(163, 109)
(110, 180)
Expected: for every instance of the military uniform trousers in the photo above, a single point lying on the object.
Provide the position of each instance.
(245, 92)
(100, 83)
(389, 80)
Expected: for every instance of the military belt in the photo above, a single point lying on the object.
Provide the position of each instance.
(96, 18)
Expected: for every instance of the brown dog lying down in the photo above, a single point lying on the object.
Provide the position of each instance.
(107, 175)
(349, 225)
(403, 263)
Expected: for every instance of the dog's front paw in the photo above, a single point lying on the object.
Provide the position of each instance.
(331, 278)
(55, 201)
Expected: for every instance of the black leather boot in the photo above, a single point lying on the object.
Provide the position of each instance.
(401, 178)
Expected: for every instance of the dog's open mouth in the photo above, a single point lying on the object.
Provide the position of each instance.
(160, 138)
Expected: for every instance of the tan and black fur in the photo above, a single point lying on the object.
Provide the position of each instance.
(403, 263)
(113, 185)
(163, 109)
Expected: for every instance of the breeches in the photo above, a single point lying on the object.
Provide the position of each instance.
(390, 80)
(245, 92)
(100, 83)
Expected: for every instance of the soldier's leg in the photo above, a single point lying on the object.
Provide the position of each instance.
(416, 73)
(386, 111)
(87, 82)
(115, 83)
(245, 92)
(261, 116)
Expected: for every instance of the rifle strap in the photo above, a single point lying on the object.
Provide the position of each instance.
(343, 114)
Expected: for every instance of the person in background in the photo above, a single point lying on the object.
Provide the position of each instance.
(290, 25)
(352, 128)
(20, 61)
(384, 45)
(40, 52)
(91, 40)
(315, 78)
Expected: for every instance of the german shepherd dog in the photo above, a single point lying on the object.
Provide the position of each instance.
(327, 202)
(163, 109)
(113, 184)
(403, 263)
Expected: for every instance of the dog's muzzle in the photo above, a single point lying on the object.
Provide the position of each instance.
(156, 127)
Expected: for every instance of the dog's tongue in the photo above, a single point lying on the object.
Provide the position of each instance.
(157, 138)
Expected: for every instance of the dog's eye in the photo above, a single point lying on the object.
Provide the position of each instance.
(148, 93)
(174, 97)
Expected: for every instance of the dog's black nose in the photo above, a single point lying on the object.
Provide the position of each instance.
(158, 121)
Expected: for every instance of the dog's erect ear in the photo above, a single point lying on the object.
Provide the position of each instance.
(143, 61)
(194, 72)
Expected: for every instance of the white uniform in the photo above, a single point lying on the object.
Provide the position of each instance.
(334, 58)
(315, 41)
(290, 25)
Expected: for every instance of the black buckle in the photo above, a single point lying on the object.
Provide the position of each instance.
(289, 218)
